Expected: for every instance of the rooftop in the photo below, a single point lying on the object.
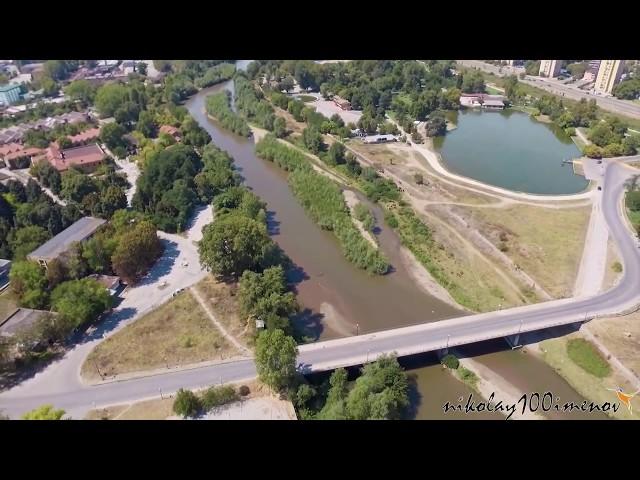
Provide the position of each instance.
(79, 231)
(8, 87)
(108, 281)
(65, 159)
(86, 135)
(21, 319)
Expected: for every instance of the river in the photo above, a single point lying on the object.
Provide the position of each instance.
(341, 300)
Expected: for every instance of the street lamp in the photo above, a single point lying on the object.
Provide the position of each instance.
(367, 356)
(357, 329)
(161, 397)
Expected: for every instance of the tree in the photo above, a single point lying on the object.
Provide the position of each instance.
(81, 90)
(312, 140)
(436, 125)
(380, 393)
(418, 178)
(44, 412)
(264, 296)
(187, 404)
(275, 358)
(146, 124)
(76, 185)
(473, 82)
(80, 301)
(593, 151)
(450, 361)
(141, 67)
(49, 86)
(336, 154)
(280, 127)
(137, 250)
(111, 134)
(26, 239)
(109, 98)
(234, 244)
(29, 282)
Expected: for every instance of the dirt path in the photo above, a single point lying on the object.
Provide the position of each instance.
(219, 326)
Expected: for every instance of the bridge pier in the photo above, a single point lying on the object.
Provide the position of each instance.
(443, 351)
(513, 341)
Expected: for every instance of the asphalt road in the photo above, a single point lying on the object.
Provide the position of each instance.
(611, 104)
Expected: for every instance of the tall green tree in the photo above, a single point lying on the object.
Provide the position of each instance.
(80, 301)
(234, 244)
(275, 359)
(137, 250)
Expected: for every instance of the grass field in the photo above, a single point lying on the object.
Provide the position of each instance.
(8, 303)
(177, 333)
(621, 336)
(545, 243)
(592, 388)
(586, 356)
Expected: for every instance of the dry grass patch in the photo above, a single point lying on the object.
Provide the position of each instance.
(621, 336)
(545, 243)
(222, 299)
(177, 333)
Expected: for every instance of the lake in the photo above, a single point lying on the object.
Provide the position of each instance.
(509, 149)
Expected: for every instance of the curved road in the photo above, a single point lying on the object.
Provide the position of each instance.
(77, 398)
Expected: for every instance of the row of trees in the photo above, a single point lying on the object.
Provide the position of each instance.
(29, 217)
(218, 106)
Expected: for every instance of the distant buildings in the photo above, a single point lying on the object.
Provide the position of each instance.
(473, 100)
(10, 94)
(609, 75)
(15, 133)
(341, 102)
(21, 320)
(57, 246)
(550, 68)
(591, 72)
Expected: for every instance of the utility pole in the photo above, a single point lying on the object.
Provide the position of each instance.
(161, 397)
(357, 329)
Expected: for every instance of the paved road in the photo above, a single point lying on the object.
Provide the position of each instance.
(68, 393)
(611, 104)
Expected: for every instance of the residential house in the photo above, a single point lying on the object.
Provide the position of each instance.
(172, 131)
(88, 136)
(86, 158)
(110, 282)
(57, 246)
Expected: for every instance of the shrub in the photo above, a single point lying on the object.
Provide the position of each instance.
(450, 361)
(419, 179)
(617, 267)
(216, 396)
(187, 404)
(391, 219)
(244, 391)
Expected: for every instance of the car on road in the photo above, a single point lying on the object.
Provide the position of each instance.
(177, 292)
(599, 187)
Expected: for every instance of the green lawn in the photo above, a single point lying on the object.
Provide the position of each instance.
(306, 98)
(585, 354)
